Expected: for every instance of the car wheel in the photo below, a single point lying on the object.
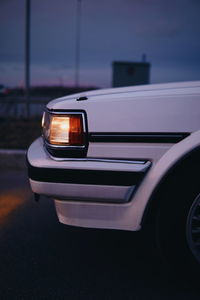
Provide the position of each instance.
(193, 228)
(177, 226)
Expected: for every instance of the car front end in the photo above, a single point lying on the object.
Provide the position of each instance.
(97, 149)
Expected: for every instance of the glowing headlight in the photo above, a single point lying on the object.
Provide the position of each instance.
(59, 131)
(64, 129)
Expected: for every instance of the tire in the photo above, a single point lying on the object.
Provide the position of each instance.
(193, 229)
(177, 224)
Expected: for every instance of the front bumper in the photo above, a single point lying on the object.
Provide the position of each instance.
(91, 190)
(96, 180)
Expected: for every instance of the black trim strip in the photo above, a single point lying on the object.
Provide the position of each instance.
(122, 137)
(122, 178)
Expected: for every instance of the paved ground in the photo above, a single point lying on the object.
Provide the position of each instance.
(42, 259)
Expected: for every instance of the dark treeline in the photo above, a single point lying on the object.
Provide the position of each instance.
(51, 91)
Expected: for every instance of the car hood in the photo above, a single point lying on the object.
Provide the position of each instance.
(172, 107)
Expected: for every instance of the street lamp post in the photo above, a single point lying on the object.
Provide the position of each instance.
(77, 57)
(27, 58)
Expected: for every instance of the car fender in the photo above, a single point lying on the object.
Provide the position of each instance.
(157, 173)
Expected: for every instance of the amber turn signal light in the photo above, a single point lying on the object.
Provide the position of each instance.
(63, 129)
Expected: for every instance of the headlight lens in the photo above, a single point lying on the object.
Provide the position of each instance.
(63, 129)
(59, 131)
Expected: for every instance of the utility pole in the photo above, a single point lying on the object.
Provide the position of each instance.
(27, 57)
(77, 57)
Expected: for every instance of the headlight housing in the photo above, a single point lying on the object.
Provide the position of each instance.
(65, 133)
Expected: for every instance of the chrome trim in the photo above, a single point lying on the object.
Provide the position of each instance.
(88, 159)
(63, 147)
(68, 112)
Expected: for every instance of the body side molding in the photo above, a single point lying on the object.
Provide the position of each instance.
(148, 137)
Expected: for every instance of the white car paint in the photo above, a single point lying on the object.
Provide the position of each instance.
(154, 108)
(125, 216)
(149, 111)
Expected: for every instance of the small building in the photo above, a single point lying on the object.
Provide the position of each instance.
(130, 73)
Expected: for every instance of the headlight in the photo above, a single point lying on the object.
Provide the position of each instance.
(64, 133)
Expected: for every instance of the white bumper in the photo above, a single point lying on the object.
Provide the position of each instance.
(125, 208)
(88, 192)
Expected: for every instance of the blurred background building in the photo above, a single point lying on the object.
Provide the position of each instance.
(130, 73)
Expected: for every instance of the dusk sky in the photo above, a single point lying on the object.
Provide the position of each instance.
(168, 31)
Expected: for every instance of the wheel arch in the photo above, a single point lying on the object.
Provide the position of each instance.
(182, 158)
(186, 163)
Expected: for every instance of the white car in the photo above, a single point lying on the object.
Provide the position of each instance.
(125, 158)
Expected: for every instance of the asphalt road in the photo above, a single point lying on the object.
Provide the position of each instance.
(43, 259)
